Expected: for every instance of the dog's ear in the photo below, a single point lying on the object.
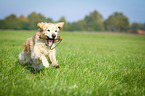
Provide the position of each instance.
(60, 24)
(40, 25)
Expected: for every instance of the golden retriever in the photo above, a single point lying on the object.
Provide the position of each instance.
(36, 51)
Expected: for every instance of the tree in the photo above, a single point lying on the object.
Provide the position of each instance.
(11, 22)
(82, 25)
(49, 20)
(62, 19)
(117, 22)
(143, 26)
(3, 24)
(110, 23)
(94, 21)
(11, 18)
(66, 26)
(23, 22)
(23, 18)
(135, 27)
(34, 18)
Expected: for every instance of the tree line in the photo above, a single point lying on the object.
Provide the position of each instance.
(92, 22)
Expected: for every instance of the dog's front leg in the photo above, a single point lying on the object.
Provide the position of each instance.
(53, 59)
(44, 61)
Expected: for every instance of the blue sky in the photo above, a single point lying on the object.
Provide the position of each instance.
(74, 10)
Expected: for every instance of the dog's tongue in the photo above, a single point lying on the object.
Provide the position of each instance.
(50, 42)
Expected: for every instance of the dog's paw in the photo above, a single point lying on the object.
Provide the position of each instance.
(56, 66)
(46, 66)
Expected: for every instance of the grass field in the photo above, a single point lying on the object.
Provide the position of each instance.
(90, 64)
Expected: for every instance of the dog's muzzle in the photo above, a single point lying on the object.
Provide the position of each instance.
(50, 41)
(53, 36)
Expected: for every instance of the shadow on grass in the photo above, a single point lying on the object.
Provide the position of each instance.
(32, 70)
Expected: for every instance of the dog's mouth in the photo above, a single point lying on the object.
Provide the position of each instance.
(50, 42)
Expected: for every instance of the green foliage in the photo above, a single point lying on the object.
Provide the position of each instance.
(11, 22)
(62, 19)
(78, 26)
(117, 22)
(143, 26)
(34, 18)
(3, 24)
(22, 22)
(135, 27)
(92, 22)
(65, 27)
(91, 64)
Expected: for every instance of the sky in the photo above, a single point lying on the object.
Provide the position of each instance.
(74, 10)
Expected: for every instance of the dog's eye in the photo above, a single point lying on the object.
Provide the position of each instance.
(55, 30)
(48, 30)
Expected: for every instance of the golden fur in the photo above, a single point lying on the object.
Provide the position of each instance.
(36, 52)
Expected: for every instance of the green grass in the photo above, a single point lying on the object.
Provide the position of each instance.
(91, 64)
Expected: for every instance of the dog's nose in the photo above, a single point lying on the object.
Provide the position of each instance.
(53, 35)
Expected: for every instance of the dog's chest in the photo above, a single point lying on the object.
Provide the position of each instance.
(42, 48)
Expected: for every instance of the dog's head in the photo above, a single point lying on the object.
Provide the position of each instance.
(50, 30)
